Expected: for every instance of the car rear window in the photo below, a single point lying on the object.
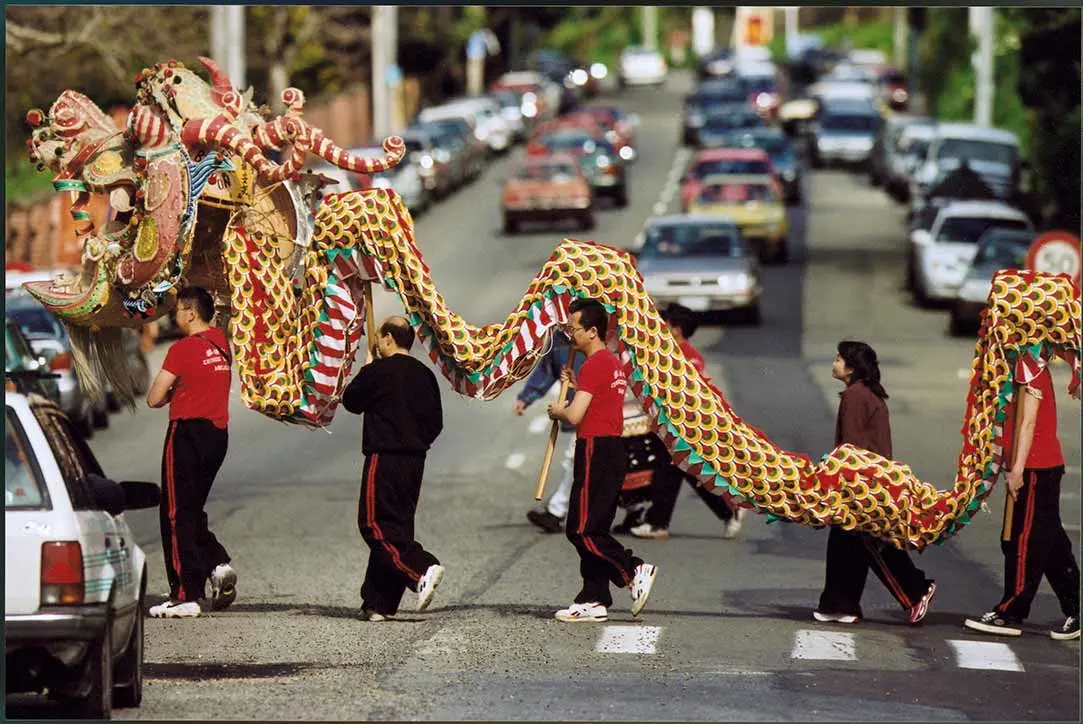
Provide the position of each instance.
(975, 150)
(72, 454)
(547, 172)
(849, 122)
(569, 142)
(967, 230)
(731, 165)
(692, 240)
(736, 193)
(35, 321)
(24, 487)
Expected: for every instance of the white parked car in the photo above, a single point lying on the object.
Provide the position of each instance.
(485, 114)
(942, 254)
(641, 66)
(74, 578)
(993, 153)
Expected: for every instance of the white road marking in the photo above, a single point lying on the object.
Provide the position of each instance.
(1072, 470)
(983, 655)
(1072, 527)
(962, 374)
(539, 424)
(823, 646)
(515, 461)
(659, 209)
(628, 639)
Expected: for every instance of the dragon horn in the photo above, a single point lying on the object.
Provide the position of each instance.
(219, 80)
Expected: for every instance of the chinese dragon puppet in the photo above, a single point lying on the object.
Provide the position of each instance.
(207, 189)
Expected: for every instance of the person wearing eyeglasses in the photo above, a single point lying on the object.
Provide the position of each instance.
(551, 518)
(194, 381)
(597, 411)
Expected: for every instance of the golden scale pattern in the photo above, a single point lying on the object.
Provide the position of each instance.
(849, 487)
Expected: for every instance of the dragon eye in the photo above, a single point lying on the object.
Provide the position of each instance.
(59, 151)
(177, 79)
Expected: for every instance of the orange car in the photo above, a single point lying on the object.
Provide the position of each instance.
(546, 189)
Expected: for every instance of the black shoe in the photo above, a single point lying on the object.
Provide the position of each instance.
(996, 624)
(545, 520)
(1068, 631)
(630, 521)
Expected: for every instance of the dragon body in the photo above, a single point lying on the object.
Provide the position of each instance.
(229, 218)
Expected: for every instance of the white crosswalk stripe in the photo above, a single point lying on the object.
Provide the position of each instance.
(985, 655)
(824, 646)
(628, 640)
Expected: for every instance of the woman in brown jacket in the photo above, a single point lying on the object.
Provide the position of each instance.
(863, 421)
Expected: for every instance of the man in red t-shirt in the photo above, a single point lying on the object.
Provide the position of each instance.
(597, 411)
(194, 381)
(666, 485)
(1038, 545)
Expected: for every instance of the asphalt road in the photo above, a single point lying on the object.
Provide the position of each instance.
(728, 633)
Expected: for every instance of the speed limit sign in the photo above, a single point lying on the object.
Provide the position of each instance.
(1056, 252)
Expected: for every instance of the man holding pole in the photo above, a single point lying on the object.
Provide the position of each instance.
(1033, 541)
(400, 399)
(597, 411)
(541, 379)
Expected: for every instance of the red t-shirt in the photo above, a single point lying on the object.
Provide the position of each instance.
(1045, 449)
(693, 356)
(602, 376)
(202, 387)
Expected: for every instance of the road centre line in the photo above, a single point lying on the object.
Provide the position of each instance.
(515, 461)
(628, 640)
(983, 655)
(539, 424)
(823, 646)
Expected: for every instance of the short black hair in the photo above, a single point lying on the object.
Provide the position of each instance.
(682, 318)
(200, 299)
(402, 333)
(592, 314)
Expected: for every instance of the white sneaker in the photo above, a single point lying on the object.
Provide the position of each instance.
(176, 609)
(646, 530)
(731, 527)
(582, 612)
(834, 617)
(223, 586)
(427, 586)
(641, 586)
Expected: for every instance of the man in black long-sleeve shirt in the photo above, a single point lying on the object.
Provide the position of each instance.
(400, 399)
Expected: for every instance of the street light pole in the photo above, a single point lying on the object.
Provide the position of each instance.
(227, 41)
(981, 25)
(650, 26)
(381, 100)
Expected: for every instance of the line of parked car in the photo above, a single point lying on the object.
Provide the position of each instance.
(961, 181)
(36, 341)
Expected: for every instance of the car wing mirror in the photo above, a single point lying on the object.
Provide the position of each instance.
(106, 494)
(139, 495)
(922, 237)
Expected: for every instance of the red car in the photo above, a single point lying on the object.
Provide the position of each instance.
(715, 161)
(618, 126)
(573, 140)
(551, 188)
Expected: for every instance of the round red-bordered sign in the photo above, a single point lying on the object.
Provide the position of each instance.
(1056, 252)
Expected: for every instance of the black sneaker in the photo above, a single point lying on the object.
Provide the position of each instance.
(998, 624)
(545, 520)
(1067, 632)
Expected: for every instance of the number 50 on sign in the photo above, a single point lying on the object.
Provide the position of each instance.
(1056, 252)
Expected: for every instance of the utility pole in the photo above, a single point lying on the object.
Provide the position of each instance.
(650, 26)
(791, 14)
(381, 98)
(397, 112)
(227, 42)
(981, 25)
(703, 33)
(902, 37)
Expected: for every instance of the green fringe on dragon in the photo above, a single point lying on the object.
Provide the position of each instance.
(198, 201)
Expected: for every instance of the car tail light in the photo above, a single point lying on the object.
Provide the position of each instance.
(61, 573)
(612, 170)
(535, 149)
(62, 361)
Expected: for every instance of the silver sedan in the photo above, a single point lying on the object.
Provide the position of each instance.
(701, 262)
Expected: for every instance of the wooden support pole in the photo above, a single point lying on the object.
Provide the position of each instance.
(370, 318)
(539, 491)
